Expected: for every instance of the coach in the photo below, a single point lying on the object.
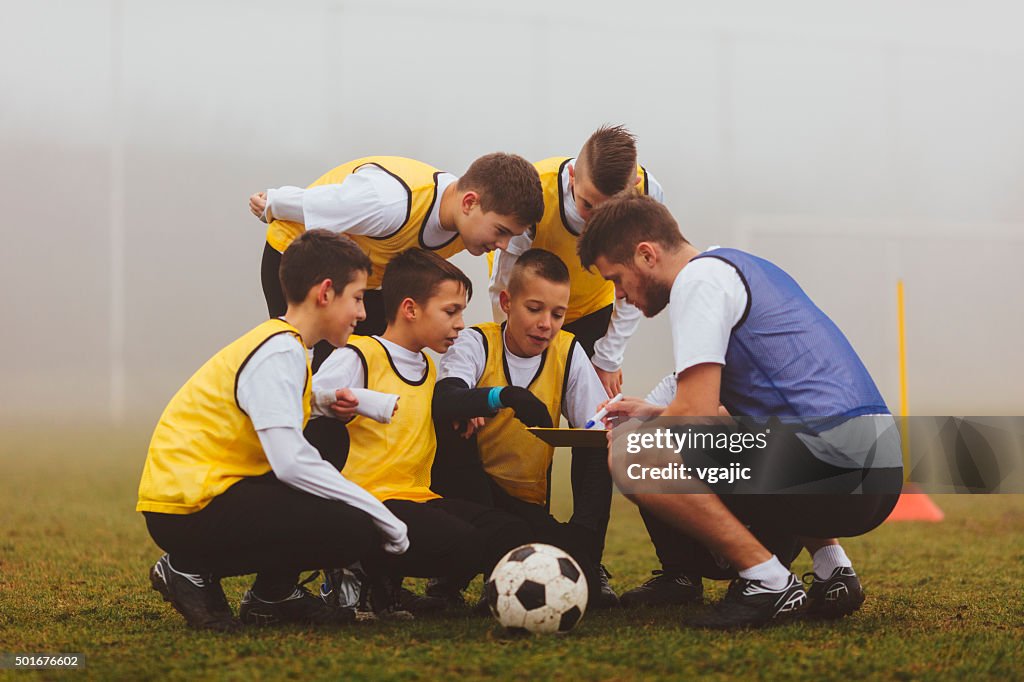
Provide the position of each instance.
(747, 337)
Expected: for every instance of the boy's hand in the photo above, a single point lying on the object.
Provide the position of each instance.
(345, 403)
(258, 206)
(612, 381)
(527, 407)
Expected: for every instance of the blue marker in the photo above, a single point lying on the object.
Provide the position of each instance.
(602, 412)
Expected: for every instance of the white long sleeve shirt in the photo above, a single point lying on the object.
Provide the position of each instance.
(270, 391)
(369, 202)
(467, 359)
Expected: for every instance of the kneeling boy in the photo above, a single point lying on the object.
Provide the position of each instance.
(231, 487)
(424, 297)
(538, 371)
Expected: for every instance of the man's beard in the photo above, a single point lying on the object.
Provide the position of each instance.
(654, 295)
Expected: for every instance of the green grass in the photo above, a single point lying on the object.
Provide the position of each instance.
(944, 600)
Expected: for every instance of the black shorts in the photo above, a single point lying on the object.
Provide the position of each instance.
(828, 501)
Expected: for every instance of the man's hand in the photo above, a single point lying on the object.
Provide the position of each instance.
(344, 405)
(258, 206)
(527, 407)
(612, 381)
(629, 408)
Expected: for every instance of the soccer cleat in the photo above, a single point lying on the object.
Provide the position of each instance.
(299, 607)
(606, 597)
(339, 587)
(419, 604)
(380, 597)
(664, 589)
(482, 606)
(748, 603)
(839, 595)
(200, 599)
(448, 591)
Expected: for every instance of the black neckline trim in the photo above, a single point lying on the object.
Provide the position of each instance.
(423, 225)
(483, 338)
(504, 360)
(362, 359)
(408, 200)
(391, 361)
(561, 198)
(568, 367)
(248, 357)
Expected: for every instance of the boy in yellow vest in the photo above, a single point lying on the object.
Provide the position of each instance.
(539, 372)
(231, 487)
(388, 204)
(573, 188)
(424, 297)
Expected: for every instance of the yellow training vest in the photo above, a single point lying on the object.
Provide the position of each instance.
(393, 461)
(517, 460)
(420, 182)
(588, 291)
(204, 443)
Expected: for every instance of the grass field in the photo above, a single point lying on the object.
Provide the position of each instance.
(944, 600)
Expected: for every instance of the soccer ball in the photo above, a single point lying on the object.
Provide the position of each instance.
(538, 588)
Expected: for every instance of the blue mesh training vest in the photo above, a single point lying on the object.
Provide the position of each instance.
(786, 358)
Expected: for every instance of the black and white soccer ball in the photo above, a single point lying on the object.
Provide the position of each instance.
(537, 588)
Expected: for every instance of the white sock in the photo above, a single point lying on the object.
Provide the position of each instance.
(772, 574)
(828, 559)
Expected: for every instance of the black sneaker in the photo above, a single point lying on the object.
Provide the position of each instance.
(664, 589)
(419, 604)
(839, 595)
(298, 607)
(448, 591)
(200, 599)
(380, 598)
(748, 603)
(339, 588)
(482, 606)
(606, 597)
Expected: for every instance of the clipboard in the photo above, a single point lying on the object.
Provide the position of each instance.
(572, 438)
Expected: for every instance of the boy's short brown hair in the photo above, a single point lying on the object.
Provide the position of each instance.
(538, 263)
(417, 274)
(608, 159)
(622, 222)
(507, 184)
(317, 255)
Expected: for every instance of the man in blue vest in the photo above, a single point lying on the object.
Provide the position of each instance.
(746, 338)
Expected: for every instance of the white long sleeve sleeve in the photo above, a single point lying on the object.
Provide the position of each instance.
(371, 404)
(269, 390)
(610, 349)
(285, 203)
(296, 463)
(504, 259)
(369, 202)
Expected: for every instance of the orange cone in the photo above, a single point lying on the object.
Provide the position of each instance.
(915, 505)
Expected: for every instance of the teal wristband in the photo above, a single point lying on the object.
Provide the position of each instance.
(494, 398)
